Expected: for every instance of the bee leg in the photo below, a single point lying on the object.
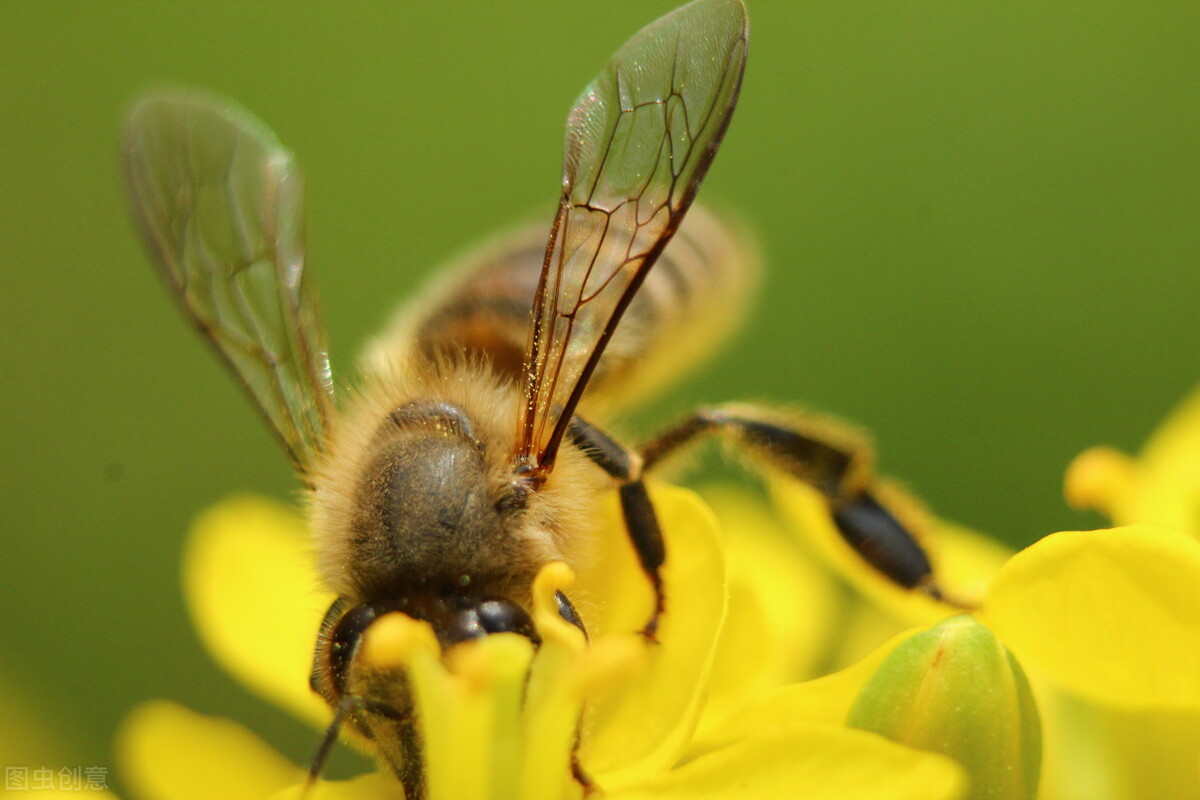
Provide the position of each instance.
(578, 772)
(833, 462)
(641, 522)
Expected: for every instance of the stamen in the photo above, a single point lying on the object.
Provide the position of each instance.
(1102, 479)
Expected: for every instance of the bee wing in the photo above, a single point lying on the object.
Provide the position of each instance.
(638, 143)
(219, 203)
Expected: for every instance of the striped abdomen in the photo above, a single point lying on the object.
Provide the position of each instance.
(690, 300)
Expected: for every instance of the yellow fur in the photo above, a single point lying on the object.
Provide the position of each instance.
(559, 517)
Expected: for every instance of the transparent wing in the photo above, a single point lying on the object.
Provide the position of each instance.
(638, 143)
(219, 204)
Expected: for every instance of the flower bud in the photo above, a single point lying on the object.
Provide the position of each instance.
(954, 689)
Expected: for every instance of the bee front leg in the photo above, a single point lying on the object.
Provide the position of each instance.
(834, 461)
(641, 521)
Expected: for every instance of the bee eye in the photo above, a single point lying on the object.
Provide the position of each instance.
(475, 619)
(344, 641)
(505, 616)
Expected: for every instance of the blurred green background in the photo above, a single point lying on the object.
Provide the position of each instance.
(981, 222)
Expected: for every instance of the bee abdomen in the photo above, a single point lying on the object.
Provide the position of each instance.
(690, 299)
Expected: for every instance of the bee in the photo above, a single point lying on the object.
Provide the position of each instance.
(468, 457)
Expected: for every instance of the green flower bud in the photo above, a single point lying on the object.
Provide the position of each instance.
(954, 689)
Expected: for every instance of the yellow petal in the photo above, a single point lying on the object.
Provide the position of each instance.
(809, 761)
(967, 560)
(642, 725)
(252, 591)
(782, 607)
(967, 563)
(1169, 471)
(1103, 479)
(469, 707)
(1102, 753)
(823, 701)
(862, 625)
(611, 591)
(1113, 615)
(481, 703)
(375, 786)
(1160, 487)
(963, 560)
(566, 670)
(167, 752)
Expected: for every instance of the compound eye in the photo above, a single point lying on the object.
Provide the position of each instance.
(505, 616)
(344, 641)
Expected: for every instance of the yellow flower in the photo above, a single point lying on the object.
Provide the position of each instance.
(739, 699)
(1106, 623)
(498, 718)
(1161, 486)
(1140, 728)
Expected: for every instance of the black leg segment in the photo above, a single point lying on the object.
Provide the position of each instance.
(642, 524)
(641, 521)
(882, 540)
(833, 460)
(807, 452)
(604, 451)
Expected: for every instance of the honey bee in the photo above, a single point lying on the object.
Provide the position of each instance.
(467, 458)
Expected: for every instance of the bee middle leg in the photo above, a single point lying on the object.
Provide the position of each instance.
(836, 465)
(641, 522)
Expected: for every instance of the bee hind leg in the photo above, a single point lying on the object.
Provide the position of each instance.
(834, 461)
(641, 521)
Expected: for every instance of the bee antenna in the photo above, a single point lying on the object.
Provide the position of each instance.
(347, 705)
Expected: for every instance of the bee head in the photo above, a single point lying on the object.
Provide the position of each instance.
(434, 513)
(376, 702)
(454, 619)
